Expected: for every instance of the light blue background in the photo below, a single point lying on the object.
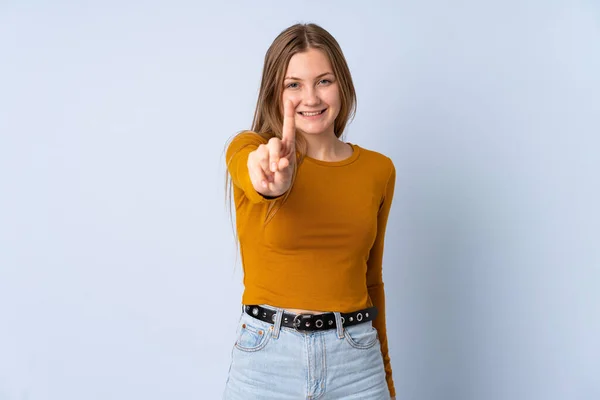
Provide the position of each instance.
(118, 276)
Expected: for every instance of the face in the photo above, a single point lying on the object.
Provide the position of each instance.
(310, 83)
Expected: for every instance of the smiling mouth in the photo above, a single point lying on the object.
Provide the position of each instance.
(312, 114)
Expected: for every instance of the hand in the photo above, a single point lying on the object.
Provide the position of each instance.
(271, 165)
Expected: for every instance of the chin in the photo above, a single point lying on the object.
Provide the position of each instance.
(315, 130)
(312, 132)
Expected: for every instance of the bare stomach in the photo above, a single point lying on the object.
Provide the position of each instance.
(300, 311)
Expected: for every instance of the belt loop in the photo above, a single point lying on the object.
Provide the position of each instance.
(338, 324)
(277, 323)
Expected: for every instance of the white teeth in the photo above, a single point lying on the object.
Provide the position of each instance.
(311, 114)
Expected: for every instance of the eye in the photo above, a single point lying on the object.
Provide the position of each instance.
(326, 81)
(291, 85)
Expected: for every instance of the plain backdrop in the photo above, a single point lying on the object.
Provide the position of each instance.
(119, 277)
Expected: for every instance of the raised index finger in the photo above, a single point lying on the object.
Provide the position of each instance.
(289, 123)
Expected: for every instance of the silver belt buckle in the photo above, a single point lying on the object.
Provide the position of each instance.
(296, 323)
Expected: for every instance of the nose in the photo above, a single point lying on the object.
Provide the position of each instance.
(311, 97)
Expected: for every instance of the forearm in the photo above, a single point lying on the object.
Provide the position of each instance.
(377, 294)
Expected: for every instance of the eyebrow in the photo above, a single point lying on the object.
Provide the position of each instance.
(298, 79)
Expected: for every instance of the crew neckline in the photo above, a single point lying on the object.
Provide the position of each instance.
(346, 161)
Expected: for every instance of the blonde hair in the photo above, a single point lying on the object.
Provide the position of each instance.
(268, 115)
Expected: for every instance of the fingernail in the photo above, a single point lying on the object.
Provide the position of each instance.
(264, 184)
(273, 166)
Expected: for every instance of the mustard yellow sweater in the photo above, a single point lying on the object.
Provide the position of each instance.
(323, 249)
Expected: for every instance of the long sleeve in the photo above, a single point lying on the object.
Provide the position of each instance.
(375, 284)
(237, 164)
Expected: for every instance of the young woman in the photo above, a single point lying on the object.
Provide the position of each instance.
(311, 215)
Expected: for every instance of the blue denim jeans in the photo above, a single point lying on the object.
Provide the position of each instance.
(269, 361)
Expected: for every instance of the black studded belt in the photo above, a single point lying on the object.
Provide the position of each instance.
(311, 322)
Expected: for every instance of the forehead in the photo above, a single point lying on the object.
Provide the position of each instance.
(308, 64)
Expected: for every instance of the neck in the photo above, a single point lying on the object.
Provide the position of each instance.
(325, 147)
